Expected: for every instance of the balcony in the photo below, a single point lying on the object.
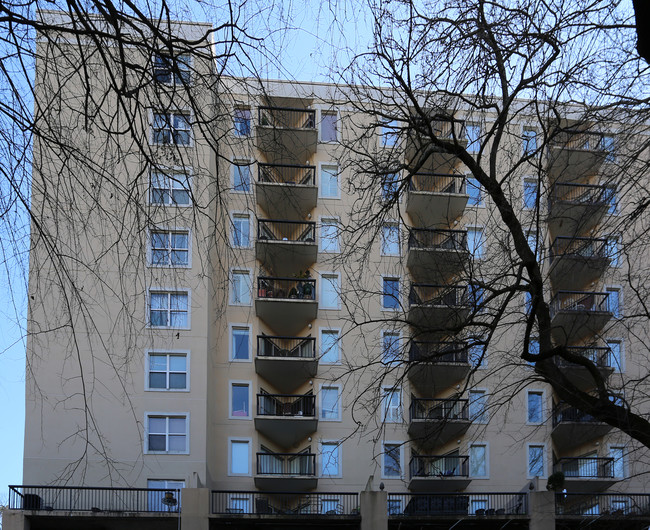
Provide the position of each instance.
(615, 510)
(439, 473)
(286, 246)
(586, 474)
(287, 305)
(286, 191)
(577, 208)
(434, 366)
(576, 315)
(286, 471)
(434, 422)
(577, 261)
(286, 135)
(436, 199)
(435, 255)
(451, 131)
(496, 510)
(286, 419)
(286, 362)
(573, 155)
(579, 375)
(438, 307)
(572, 427)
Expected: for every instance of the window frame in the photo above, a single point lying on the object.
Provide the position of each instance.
(398, 340)
(542, 405)
(169, 291)
(339, 401)
(321, 168)
(609, 288)
(232, 326)
(387, 392)
(484, 416)
(470, 141)
(237, 214)
(536, 197)
(486, 445)
(390, 188)
(389, 129)
(328, 274)
(545, 468)
(624, 460)
(400, 446)
(167, 416)
(479, 251)
(170, 118)
(171, 175)
(249, 442)
(525, 140)
(330, 222)
(383, 239)
(329, 330)
(231, 292)
(398, 298)
(613, 241)
(609, 340)
(339, 467)
(169, 232)
(241, 162)
(240, 383)
(329, 112)
(480, 196)
(147, 371)
(176, 77)
(235, 129)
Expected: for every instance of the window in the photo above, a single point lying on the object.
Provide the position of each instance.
(155, 498)
(392, 461)
(240, 343)
(608, 145)
(167, 371)
(529, 141)
(475, 297)
(330, 459)
(473, 132)
(170, 248)
(390, 293)
(478, 406)
(611, 199)
(329, 403)
(528, 302)
(329, 182)
(390, 184)
(240, 230)
(535, 407)
(615, 355)
(169, 189)
(612, 251)
(478, 460)
(536, 461)
(389, 133)
(240, 457)
(391, 409)
(390, 347)
(166, 433)
(475, 242)
(242, 121)
(240, 400)
(330, 346)
(240, 293)
(390, 239)
(171, 128)
(169, 70)
(330, 290)
(328, 127)
(477, 355)
(475, 192)
(614, 301)
(530, 193)
(532, 239)
(618, 466)
(329, 235)
(168, 309)
(241, 176)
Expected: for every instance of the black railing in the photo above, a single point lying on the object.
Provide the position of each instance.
(454, 504)
(285, 503)
(286, 174)
(600, 356)
(577, 194)
(286, 288)
(438, 295)
(586, 467)
(439, 466)
(439, 409)
(564, 413)
(294, 464)
(437, 239)
(579, 302)
(293, 231)
(439, 352)
(273, 346)
(98, 500)
(579, 140)
(287, 118)
(286, 405)
(602, 504)
(579, 247)
(438, 183)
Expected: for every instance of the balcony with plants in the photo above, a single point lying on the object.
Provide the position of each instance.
(286, 304)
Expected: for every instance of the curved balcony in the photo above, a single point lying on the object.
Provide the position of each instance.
(586, 474)
(286, 362)
(436, 365)
(286, 471)
(438, 160)
(438, 307)
(287, 305)
(286, 419)
(286, 134)
(436, 199)
(572, 427)
(442, 473)
(577, 208)
(576, 315)
(577, 261)
(286, 246)
(434, 422)
(574, 155)
(579, 375)
(435, 255)
(286, 191)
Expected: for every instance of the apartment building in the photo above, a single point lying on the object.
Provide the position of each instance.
(266, 358)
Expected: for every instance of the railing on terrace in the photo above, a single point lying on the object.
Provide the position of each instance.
(84, 499)
(579, 301)
(438, 295)
(438, 183)
(439, 409)
(287, 118)
(586, 467)
(285, 503)
(600, 356)
(581, 193)
(581, 247)
(439, 352)
(437, 239)
(579, 140)
(439, 466)
(286, 174)
(301, 464)
(275, 346)
(562, 412)
(294, 231)
(454, 504)
(286, 405)
(602, 504)
(286, 288)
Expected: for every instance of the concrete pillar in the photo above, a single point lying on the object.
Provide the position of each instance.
(196, 509)
(542, 510)
(374, 510)
(14, 520)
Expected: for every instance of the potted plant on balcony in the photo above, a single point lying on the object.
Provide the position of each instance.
(293, 293)
(555, 481)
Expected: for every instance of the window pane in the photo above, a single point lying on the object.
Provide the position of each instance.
(475, 242)
(177, 381)
(392, 467)
(473, 133)
(329, 236)
(177, 444)
(240, 231)
(158, 362)
(328, 127)
(534, 407)
(390, 298)
(613, 302)
(180, 189)
(390, 133)
(530, 194)
(330, 459)
(329, 403)
(329, 181)
(529, 141)
(390, 240)
(177, 425)
(177, 363)
(157, 380)
(390, 186)
(159, 300)
(241, 288)
(157, 442)
(242, 122)
(475, 192)
(242, 178)
(178, 301)
(157, 424)
(391, 347)
(329, 347)
(330, 292)
(536, 461)
(477, 406)
(240, 400)
(615, 355)
(618, 453)
(477, 461)
(239, 457)
(240, 343)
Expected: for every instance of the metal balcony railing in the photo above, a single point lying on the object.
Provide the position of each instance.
(293, 231)
(294, 464)
(602, 504)
(286, 174)
(600, 356)
(577, 194)
(579, 140)
(439, 466)
(274, 346)
(563, 413)
(579, 302)
(286, 288)
(579, 247)
(437, 239)
(439, 409)
(439, 352)
(455, 504)
(287, 118)
(438, 183)
(586, 467)
(285, 504)
(438, 295)
(286, 405)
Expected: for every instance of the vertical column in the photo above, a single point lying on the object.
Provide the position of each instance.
(374, 510)
(196, 508)
(542, 510)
